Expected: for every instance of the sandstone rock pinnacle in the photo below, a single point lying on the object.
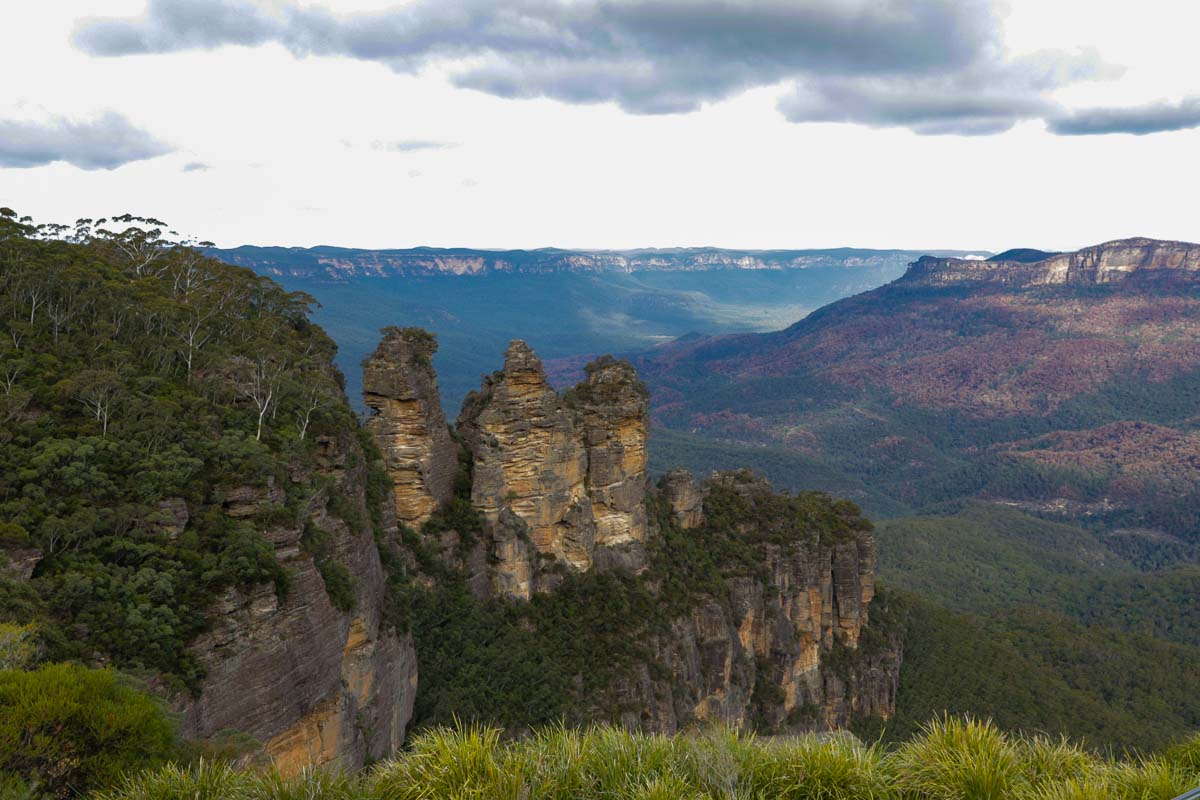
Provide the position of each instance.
(399, 384)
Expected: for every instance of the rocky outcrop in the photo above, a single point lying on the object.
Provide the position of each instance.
(565, 475)
(612, 411)
(785, 650)
(399, 385)
(19, 562)
(680, 491)
(1108, 263)
(314, 684)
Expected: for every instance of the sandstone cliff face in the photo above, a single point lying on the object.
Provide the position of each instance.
(680, 491)
(613, 419)
(560, 481)
(314, 684)
(1108, 263)
(782, 652)
(399, 385)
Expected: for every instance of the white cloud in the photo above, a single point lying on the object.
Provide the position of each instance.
(734, 173)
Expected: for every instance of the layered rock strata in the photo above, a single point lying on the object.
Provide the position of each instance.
(1108, 263)
(313, 684)
(560, 481)
(399, 385)
(782, 650)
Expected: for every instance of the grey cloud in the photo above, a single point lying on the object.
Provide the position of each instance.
(983, 99)
(1138, 120)
(171, 25)
(106, 142)
(920, 107)
(935, 66)
(413, 145)
(196, 166)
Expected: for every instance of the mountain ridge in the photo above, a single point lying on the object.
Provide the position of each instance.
(341, 263)
(940, 370)
(1108, 262)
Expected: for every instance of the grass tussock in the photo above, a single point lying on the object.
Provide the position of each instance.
(952, 759)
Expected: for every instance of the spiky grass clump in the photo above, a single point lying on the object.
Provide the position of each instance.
(810, 768)
(1185, 756)
(209, 780)
(952, 759)
(608, 763)
(466, 764)
(206, 781)
(959, 759)
(1045, 760)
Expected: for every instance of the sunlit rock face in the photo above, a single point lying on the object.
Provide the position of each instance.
(782, 651)
(612, 412)
(571, 471)
(400, 386)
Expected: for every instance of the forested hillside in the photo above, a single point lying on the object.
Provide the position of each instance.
(138, 378)
(1025, 429)
(184, 497)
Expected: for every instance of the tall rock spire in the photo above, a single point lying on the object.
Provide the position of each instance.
(399, 384)
(571, 468)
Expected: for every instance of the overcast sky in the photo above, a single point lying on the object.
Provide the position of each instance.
(608, 123)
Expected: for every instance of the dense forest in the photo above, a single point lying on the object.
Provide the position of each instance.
(139, 379)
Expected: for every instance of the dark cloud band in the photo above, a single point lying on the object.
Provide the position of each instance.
(107, 142)
(933, 66)
(1138, 120)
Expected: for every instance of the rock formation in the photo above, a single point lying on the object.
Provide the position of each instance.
(561, 486)
(785, 650)
(612, 408)
(314, 684)
(399, 385)
(564, 474)
(680, 491)
(1108, 263)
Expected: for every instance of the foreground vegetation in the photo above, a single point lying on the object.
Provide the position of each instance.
(950, 760)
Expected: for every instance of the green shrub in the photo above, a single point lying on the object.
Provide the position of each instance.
(13, 536)
(339, 584)
(18, 647)
(66, 730)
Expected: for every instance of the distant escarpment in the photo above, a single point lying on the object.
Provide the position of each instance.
(341, 263)
(1111, 262)
(651, 605)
